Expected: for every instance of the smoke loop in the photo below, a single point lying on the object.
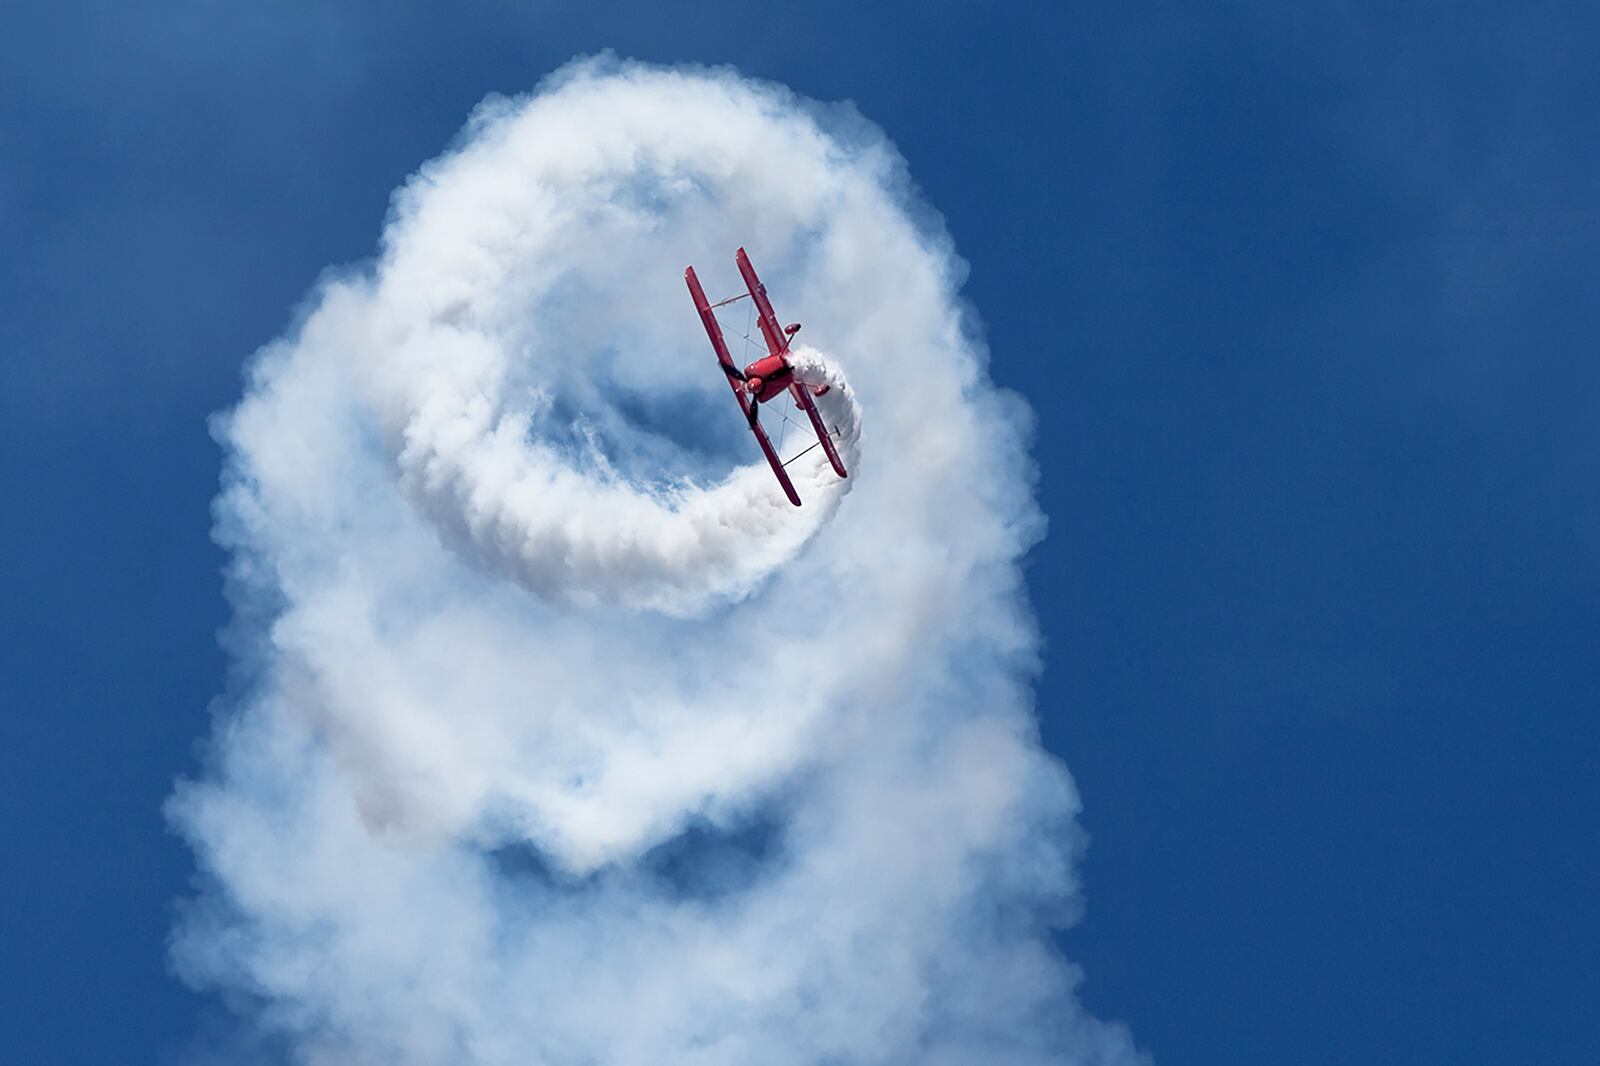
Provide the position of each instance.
(565, 738)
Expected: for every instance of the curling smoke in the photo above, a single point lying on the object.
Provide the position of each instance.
(556, 742)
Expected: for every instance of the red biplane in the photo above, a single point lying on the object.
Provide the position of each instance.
(768, 377)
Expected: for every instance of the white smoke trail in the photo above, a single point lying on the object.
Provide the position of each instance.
(557, 743)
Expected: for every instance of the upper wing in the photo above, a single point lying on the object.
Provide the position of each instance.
(735, 378)
(772, 456)
(708, 319)
(777, 339)
(802, 396)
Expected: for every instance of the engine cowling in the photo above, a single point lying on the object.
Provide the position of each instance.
(767, 377)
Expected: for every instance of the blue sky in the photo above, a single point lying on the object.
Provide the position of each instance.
(1303, 301)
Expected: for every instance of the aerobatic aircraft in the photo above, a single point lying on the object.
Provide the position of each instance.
(767, 378)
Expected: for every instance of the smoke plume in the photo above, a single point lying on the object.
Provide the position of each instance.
(558, 735)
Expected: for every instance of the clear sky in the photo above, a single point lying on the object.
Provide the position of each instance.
(1303, 301)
